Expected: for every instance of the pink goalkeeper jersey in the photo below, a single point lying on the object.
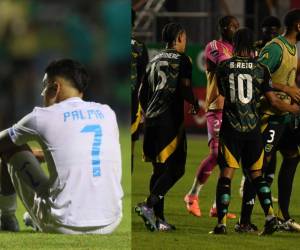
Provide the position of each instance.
(216, 51)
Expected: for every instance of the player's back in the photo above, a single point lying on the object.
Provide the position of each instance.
(81, 144)
(165, 102)
(242, 81)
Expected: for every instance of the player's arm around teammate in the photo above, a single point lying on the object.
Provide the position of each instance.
(240, 137)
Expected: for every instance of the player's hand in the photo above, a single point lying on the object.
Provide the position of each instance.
(295, 109)
(39, 154)
(194, 108)
(294, 93)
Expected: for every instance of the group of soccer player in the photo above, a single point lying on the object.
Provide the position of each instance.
(252, 112)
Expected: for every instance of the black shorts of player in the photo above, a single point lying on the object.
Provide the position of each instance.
(234, 147)
(272, 127)
(165, 143)
(290, 139)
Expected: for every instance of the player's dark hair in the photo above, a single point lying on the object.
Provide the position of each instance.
(70, 70)
(171, 31)
(271, 21)
(291, 18)
(133, 17)
(224, 22)
(243, 41)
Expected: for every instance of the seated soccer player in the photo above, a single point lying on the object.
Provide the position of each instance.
(242, 81)
(80, 141)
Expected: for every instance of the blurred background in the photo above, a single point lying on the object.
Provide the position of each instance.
(200, 19)
(35, 32)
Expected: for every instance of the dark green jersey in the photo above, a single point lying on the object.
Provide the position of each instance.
(242, 81)
(161, 97)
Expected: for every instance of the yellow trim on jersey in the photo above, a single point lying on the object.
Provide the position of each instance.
(264, 122)
(170, 148)
(135, 124)
(230, 159)
(259, 163)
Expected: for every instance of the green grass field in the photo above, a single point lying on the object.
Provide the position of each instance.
(120, 239)
(192, 232)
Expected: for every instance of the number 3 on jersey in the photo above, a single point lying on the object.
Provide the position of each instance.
(96, 129)
(240, 88)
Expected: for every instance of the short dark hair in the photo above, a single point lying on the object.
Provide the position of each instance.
(271, 21)
(71, 70)
(224, 21)
(171, 31)
(243, 40)
(291, 18)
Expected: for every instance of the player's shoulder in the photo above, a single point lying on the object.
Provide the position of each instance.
(212, 48)
(263, 67)
(185, 58)
(226, 62)
(105, 109)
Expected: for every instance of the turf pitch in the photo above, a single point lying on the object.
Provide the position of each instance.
(120, 239)
(192, 232)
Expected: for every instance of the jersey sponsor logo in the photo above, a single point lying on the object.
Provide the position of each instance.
(214, 53)
(77, 115)
(268, 148)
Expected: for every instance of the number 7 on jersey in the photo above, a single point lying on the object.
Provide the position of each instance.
(96, 129)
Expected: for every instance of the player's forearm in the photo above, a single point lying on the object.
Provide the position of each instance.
(187, 91)
(284, 107)
(292, 91)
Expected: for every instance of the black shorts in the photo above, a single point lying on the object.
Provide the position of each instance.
(272, 127)
(160, 142)
(249, 150)
(290, 139)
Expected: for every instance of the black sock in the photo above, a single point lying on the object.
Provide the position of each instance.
(223, 198)
(263, 192)
(285, 185)
(152, 200)
(249, 195)
(159, 206)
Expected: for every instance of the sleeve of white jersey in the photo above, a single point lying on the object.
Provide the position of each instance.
(25, 130)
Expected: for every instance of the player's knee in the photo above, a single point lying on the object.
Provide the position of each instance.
(5, 156)
(254, 174)
(291, 154)
(214, 154)
(179, 172)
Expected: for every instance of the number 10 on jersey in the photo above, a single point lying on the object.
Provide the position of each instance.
(96, 129)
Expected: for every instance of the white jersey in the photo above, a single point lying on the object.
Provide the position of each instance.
(80, 141)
